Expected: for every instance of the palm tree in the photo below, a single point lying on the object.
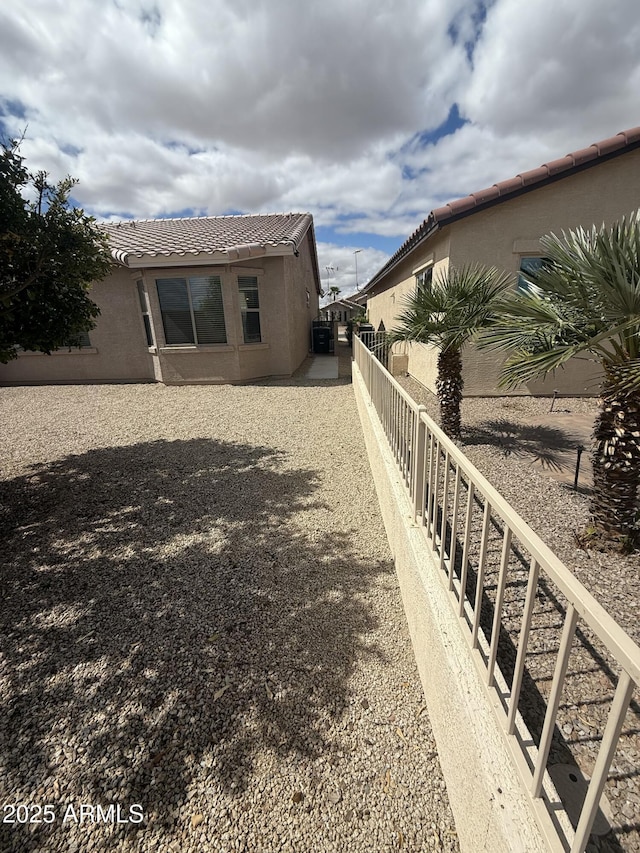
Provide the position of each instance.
(334, 291)
(447, 312)
(586, 301)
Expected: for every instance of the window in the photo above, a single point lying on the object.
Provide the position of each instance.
(144, 305)
(424, 278)
(529, 266)
(78, 341)
(192, 311)
(250, 308)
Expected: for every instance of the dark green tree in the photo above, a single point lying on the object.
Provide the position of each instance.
(50, 252)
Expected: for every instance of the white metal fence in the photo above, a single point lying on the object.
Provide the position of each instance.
(494, 565)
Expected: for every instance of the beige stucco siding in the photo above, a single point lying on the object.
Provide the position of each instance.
(500, 236)
(119, 350)
(386, 304)
(300, 281)
(601, 194)
(234, 361)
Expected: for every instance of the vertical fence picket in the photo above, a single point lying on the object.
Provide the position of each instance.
(445, 507)
(497, 612)
(523, 642)
(482, 563)
(465, 548)
(566, 641)
(619, 707)
(454, 527)
(434, 502)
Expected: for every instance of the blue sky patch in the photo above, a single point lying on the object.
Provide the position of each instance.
(453, 122)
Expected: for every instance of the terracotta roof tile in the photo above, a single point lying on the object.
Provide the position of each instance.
(631, 135)
(561, 165)
(502, 190)
(585, 154)
(510, 185)
(486, 195)
(461, 204)
(233, 237)
(441, 212)
(534, 176)
(611, 144)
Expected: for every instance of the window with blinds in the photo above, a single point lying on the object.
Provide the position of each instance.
(192, 311)
(250, 308)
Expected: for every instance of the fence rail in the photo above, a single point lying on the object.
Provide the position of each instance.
(486, 553)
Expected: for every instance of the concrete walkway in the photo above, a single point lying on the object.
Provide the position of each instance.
(322, 367)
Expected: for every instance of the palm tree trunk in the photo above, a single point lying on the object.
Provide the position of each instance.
(616, 465)
(449, 389)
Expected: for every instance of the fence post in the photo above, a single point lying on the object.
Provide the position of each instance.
(417, 460)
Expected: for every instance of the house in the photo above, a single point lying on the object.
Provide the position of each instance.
(342, 310)
(501, 226)
(197, 300)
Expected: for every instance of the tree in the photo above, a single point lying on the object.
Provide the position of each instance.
(447, 312)
(334, 291)
(50, 252)
(585, 302)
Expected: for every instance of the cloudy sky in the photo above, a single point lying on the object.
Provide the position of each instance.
(367, 113)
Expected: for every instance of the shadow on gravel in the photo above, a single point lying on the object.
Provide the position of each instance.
(165, 618)
(545, 445)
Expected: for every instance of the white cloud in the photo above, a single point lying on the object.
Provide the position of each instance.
(338, 266)
(160, 106)
(557, 70)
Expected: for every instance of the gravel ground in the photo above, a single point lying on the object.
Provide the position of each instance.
(511, 443)
(200, 615)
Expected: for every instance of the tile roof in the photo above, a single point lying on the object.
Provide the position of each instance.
(232, 237)
(626, 140)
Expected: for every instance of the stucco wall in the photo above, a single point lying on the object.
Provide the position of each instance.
(500, 236)
(118, 353)
(299, 279)
(386, 303)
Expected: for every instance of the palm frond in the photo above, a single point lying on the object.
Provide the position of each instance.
(586, 299)
(458, 302)
(524, 366)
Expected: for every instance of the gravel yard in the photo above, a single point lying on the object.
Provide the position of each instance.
(200, 615)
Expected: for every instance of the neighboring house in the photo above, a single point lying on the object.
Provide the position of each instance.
(199, 300)
(501, 226)
(341, 310)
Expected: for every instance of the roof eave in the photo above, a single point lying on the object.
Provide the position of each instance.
(232, 255)
(525, 182)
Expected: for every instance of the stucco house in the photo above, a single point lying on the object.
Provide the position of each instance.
(501, 226)
(195, 300)
(340, 310)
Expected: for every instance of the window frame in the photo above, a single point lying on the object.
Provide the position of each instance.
(424, 277)
(143, 297)
(188, 281)
(244, 310)
(523, 285)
